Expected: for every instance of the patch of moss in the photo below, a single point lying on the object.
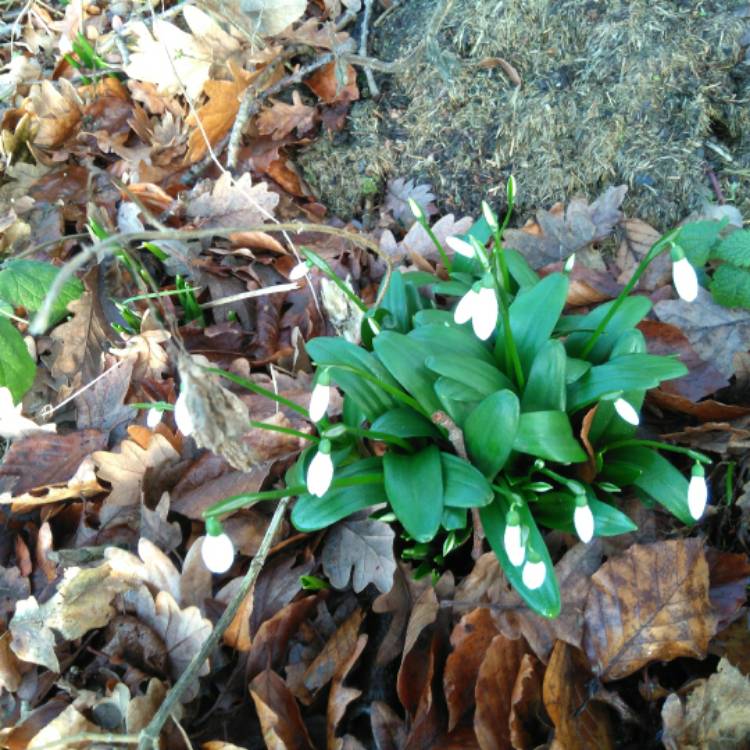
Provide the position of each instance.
(612, 91)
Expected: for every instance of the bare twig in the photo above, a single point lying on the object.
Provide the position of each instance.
(149, 737)
(374, 90)
(93, 737)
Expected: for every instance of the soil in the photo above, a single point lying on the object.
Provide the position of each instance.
(654, 94)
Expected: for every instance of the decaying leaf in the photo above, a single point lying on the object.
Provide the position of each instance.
(716, 714)
(651, 603)
(69, 723)
(397, 196)
(281, 118)
(57, 112)
(270, 17)
(360, 549)
(334, 653)
(33, 641)
(339, 696)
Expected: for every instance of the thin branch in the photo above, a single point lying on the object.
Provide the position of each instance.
(149, 737)
(276, 289)
(374, 90)
(93, 737)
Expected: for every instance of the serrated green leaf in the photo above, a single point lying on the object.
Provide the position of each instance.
(463, 485)
(414, 485)
(734, 249)
(549, 435)
(697, 239)
(730, 286)
(490, 429)
(25, 283)
(17, 368)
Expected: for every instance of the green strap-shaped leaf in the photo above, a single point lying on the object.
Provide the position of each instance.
(451, 338)
(490, 431)
(480, 376)
(456, 400)
(548, 434)
(414, 485)
(405, 423)
(405, 359)
(545, 389)
(631, 372)
(17, 368)
(546, 599)
(464, 486)
(555, 510)
(453, 519)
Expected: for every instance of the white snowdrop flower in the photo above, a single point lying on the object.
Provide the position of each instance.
(153, 418)
(697, 492)
(460, 246)
(299, 271)
(479, 307)
(583, 520)
(569, 263)
(533, 574)
(320, 471)
(489, 216)
(513, 539)
(319, 400)
(217, 552)
(684, 278)
(417, 210)
(182, 416)
(627, 412)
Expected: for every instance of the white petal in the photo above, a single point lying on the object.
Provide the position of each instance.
(533, 574)
(697, 496)
(465, 308)
(513, 547)
(319, 400)
(460, 246)
(320, 474)
(6, 404)
(182, 416)
(685, 279)
(153, 417)
(484, 319)
(583, 520)
(217, 553)
(299, 271)
(627, 412)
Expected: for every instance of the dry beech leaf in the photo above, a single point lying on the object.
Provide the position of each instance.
(716, 715)
(580, 724)
(388, 728)
(339, 697)
(495, 683)
(470, 639)
(526, 702)
(70, 722)
(281, 118)
(270, 17)
(57, 112)
(278, 712)
(142, 708)
(635, 599)
(360, 549)
(336, 651)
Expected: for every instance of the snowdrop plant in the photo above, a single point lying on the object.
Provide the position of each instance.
(476, 396)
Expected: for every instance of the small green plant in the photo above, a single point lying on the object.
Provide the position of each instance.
(503, 405)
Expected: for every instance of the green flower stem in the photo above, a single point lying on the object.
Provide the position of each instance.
(435, 241)
(383, 437)
(245, 383)
(285, 431)
(656, 248)
(511, 353)
(500, 255)
(729, 481)
(247, 499)
(694, 455)
(160, 405)
(155, 295)
(324, 266)
(571, 484)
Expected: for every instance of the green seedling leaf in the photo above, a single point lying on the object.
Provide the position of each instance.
(545, 388)
(631, 372)
(546, 599)
(414, 485)
(490, 430)
(478, 375)
(555, 511)
(313, 583)
(464, 486)
(17, 368)
(455, 339)
(730, 286)
(533, 316)
(25, 283)
(631, 312)
(404, 357)
(734, 249)
(548, 434)
(404, 422)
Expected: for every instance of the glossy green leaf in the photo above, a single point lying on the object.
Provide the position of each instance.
(456, 400)
(545, 388)
(659, 479)
(630, 313)
(405, 358)
(520, 270)
(490, 430)
(414, 485)
(433, 317)
(620, 471)
(25, 283)
(555, 510)
(463, 485)
(546, 599)
(453, 518)
(451, 338)
(548, 434)
(533, 316)
(405, 423)
(631, 372)
(17, 368)
(479, 376)
(575, 369)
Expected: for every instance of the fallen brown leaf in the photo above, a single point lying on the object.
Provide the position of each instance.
(388, 729)
(281, 118)
(527, 703)
(326, 85)
(339, 696)
(335, 653)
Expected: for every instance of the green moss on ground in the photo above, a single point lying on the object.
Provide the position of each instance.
(645, 93)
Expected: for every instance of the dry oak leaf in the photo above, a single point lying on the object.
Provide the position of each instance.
(69, 723)
(565, 693)
(57, 112)
(651, 603)
(339, 697)
(33, 641)
(326, 84)
(231, 203)
(281, 118)
(716, 715)
(361, 549)
(270, 17)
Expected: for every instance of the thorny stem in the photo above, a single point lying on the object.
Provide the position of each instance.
(149, 737)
